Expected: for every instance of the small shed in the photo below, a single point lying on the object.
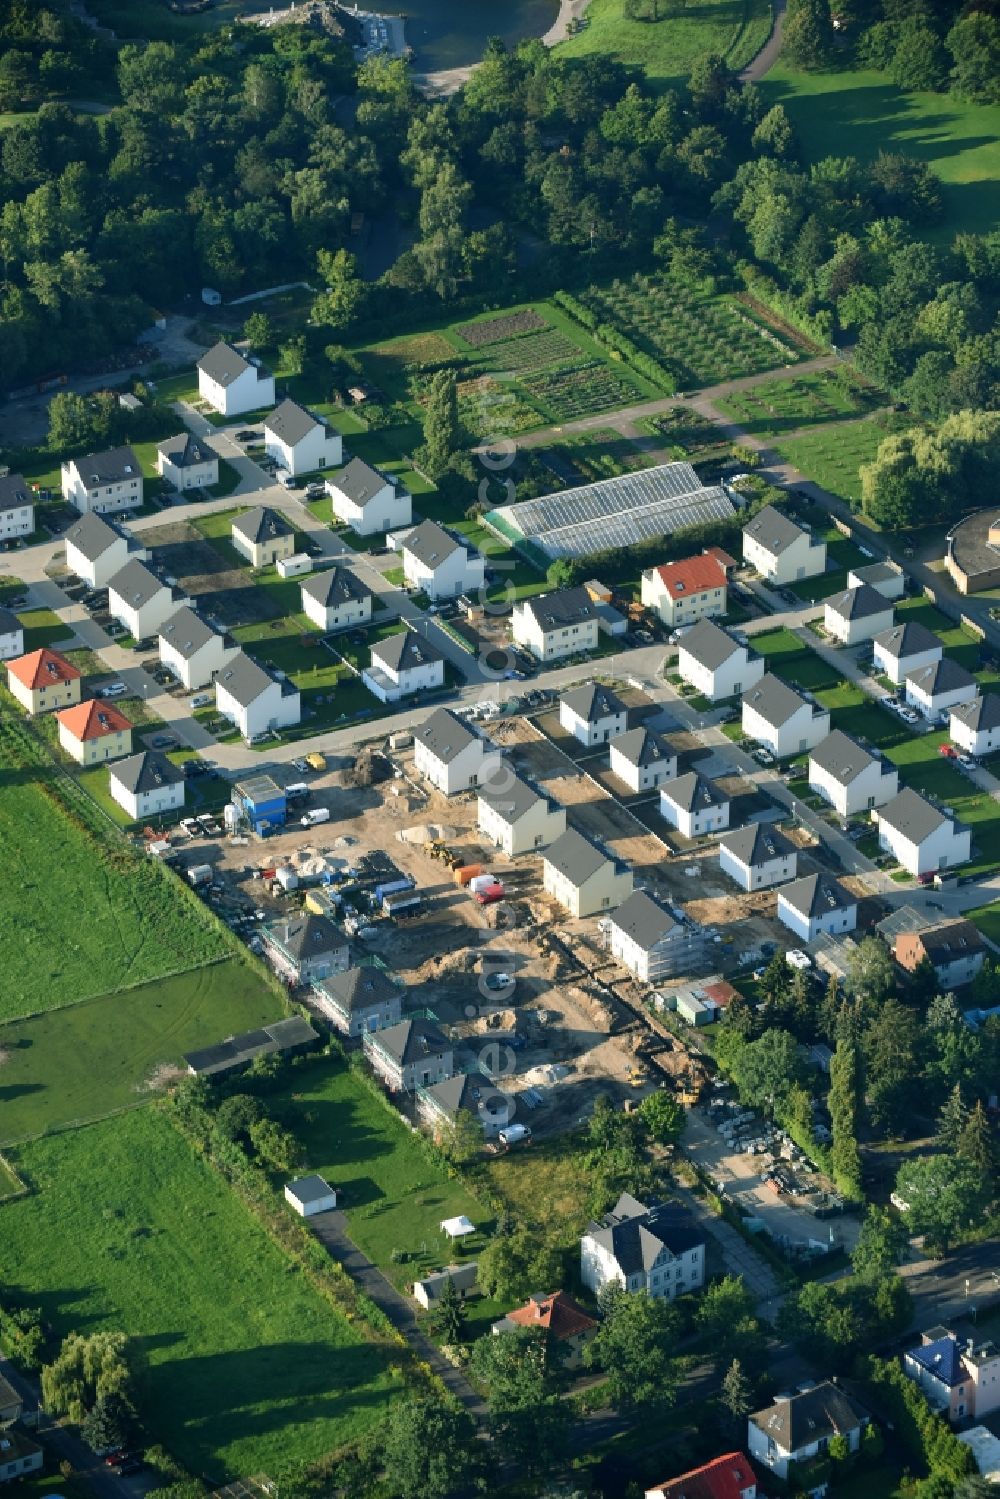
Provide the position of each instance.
(309, 1195)
(211, 297)
(457, 1228)
(464, 1278)
(693, 1009)
(262, 802)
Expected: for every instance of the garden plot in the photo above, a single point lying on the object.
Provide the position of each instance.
(568, 394)
(494, 330)
(205, 573)
(784, 405)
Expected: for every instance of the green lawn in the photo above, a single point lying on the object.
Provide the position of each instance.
(666, 49)
(922, 767)
(841, 556)
(394, 1195)
(79, 1063)
(987, 919)
(800, 401)
(242, 1362)
(42, 627)
(776, 644)
(831, 456)
(862, 113)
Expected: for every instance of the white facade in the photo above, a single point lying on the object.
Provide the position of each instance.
(852, 631)
(975, 727)
(141, 616)
(942, 848)
(939, 701)
(371, 506)
(141, 804)
(318, 447)
(593, 731)
(518, 831)
(336, 615)
(897, 668)
(17, 508)
(418, 671)
(765, 1449)
(441, 569)
(681, 592)
(806, 727)
(834, 920)
(251, 390)
(309, 1195)
(644, 776)
(454, 773)
(635, 1232)
(586, 884)
(876, 783)
(11, 636)
(195, 667)
(781, 551)
(270, 709)
(95, 486)
(738, 672)
(555, 625)
(761, 875)
(187, 463)
(707, 812)
(97, 571)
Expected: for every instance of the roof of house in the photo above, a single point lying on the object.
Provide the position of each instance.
(841, 757)
(644, 919)
(575, 857)
(245, 680)
(463, 1278)
(306, 936)
(445, 735)
(262, 524)
(816, 894)
(980, 713)
(774, 700)
(430, 544)
(950, 940)
(223, 364)
(404, 651)
(291, 422)
(186, 451)
(92, 535)
(467, 1091)
(566, 606)
(642, 747)
(940, 676)
(9, 622)
(859, 603)
(42, 668)
(8, 1395)
(636, 1234)
(709, 645)
(557, 1313)
(592, 702)
(693, 793)
(876, 572)
(92, 720)
(14, 492)
(757, 844)
(411, 1040)
(913, 815)
(774, 531)
(359, 482)
(147, 771)
(334, 586)
(363, 988)
(807, 1417)
(509, 795)
(186, 632)
(908, 639)
(110, 467)
(692, 575)
(306, 1189)
(237, 1051)
(135, 585)
(726, 1477)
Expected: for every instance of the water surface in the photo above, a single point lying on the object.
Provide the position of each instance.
(452, 33)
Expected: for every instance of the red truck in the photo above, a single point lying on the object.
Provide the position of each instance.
(490, 895)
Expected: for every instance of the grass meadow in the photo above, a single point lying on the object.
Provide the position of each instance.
(666, 49)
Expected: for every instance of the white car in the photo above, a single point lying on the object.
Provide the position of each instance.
(796, 958)
(966, 762)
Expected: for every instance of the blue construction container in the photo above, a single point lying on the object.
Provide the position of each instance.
(262, 803)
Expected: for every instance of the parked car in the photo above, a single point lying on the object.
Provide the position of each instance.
(113, 689)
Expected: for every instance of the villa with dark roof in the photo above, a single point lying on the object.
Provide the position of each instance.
(960, 1376)
(798, 1428)
(658, 1249)
(368, 501)
(757, 856)
(17, 507)
(780, 549)
(449, 753)
(299, 442)
(516, 816)
(583, 877)
(306, 948)
(192, 650)
(263, 536)
(402, 665)
(851, 778)
(147, 785)
(694, 805)
(556, 624)
(187, 462)
(816, 905)
(254, 699)
(904, 648)
(363, 998)
(651, 942)
(440, 566)
(642, 759)
(103, 483)
(921, 837)
(940, 686)
(336, 599)
(782, 719)
(715, 663)
(975, 725)
(592, 713)
(411, 1055)
(857, 614)
(233, 383)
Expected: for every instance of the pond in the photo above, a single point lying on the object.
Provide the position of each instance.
(452, 33)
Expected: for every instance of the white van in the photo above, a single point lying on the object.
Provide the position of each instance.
(201, 700)
(318, 814)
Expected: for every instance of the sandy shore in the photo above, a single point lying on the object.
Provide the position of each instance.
(449, 80)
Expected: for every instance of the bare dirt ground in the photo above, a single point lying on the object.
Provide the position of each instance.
(204, 573)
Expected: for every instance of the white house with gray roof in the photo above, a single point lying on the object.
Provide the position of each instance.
(851, 778)
(594, 714)
(305, 948)
(758, 856)
(923, 838)
(401, 665)
(887, 578)
(975, 725)
(942, 685)
(362, 998)
(11, 636)
(783, 720)
(715, 663)
(658, 1249)
(516, 816)
(439, 565)
(263, 536)
(187, 462)
(146, 785)
(299, 442)
(556, 624)
(694, 805)
(233, 383)
(904, 648)
(642, 759)
(103, 483)
(815, 905)
(857, 614)
(450, 754)
(651, 943)
(96, 549)
(414, 1054)
(140, 600)
(336, 599)
(781, 550)
(17, 507)
(254, 700)
(367, 501)
(583, 878)
(192, 650)
(799, 1427)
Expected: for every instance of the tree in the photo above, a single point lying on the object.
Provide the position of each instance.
(450, 1313)
(766, 1070)
(890, 1047)
(726, 1321)
(807, 40)
(462, 1140)
(107, 1424)
(975, 1143)
(345, 296)
(70, 422)
(561, 573)
(774, 982)
(880, 1247)
(845, 1157)
(632, 1347)
(951, 1120)
(736, 1395)
(428, 1450)
(258, 330)
(441, 424)
(974, 43)
(236, 1116)
(870, 975)
(293, 354)
(663, 1116)
(85, 1368)
(277, 1147)
(513, 1265)
(943, 1196)
(527, 1414)
(774, 135)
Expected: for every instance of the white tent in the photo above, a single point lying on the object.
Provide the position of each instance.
(457, 1228)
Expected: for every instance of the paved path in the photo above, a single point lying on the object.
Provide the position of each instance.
(331, 1231)
(769, 53)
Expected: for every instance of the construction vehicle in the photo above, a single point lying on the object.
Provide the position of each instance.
(637, 1077)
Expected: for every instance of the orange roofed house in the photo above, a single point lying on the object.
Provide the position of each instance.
(727, 1477)
(43, 681)
(682, 592)
(94, 732)
(560, 1319)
